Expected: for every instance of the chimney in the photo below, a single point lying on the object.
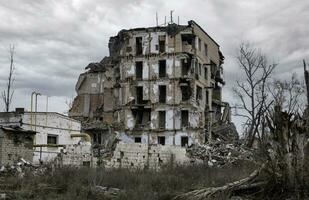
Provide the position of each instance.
(20, 110)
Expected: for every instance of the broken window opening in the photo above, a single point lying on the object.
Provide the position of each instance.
(162, 119)
(184, 118)
(213, 68)
(139, 69)
(162, 93)
(184, 141)
(199, 44)
(205, 73)
(97, 138)
(196, 67)
(198, 93)
(139, 46)
(187, 42)
(207, 98)
(52, 139)
(139, 94)
(185, 93)
(162, 39)
(138, 140)
(185, 66)
(206, 49)
(139, 118)
(162, 68)
(161, 140)
(200, 69)
(185, 90)
(217, 92)
(142, 117)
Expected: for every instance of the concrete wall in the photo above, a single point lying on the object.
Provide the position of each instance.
(141, 156)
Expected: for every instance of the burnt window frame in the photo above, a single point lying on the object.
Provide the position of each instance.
(207, 97)
(139, 99)
(186, 143)
(138, 49)
(205, 73)
(184, 122)
(160, 45)
(199, 95)
(161, 140)
(139, 64)
(49, 136)
(185, 67)
(206, 49)
(138, 139)
(162, 68)
(162, 114)
(162, 88)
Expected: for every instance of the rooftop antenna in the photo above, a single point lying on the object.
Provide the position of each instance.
(157, 18)
(178, 20)
(165, 21)
(172, 16)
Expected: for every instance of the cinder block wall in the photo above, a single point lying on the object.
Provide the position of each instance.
(15, 146)
(140, 156)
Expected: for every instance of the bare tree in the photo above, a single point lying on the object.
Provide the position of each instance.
(288, 94)
(7, 94)
(252, 91)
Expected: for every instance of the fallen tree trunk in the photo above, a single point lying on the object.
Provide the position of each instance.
(214, 192)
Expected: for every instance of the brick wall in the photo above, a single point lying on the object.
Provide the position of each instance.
(14, 146)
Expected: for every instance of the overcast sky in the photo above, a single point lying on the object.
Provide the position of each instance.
(56, 39)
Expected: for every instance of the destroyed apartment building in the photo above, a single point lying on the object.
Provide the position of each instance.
(160, 85)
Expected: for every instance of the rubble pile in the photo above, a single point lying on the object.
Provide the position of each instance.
(100, 192)
(20, 168)
(219, 154)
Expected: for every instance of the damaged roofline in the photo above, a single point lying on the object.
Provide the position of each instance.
(155, 28)
(193, 22)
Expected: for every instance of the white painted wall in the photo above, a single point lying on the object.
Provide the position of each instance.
(145, 70)
(53, 124)
(169, 67)
(44, 124)
(154, 42)
(169, 123)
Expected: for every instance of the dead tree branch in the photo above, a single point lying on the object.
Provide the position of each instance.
(252, 90)
(213, 192)
(7, 94)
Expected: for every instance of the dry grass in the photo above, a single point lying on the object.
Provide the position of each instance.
(77, 183)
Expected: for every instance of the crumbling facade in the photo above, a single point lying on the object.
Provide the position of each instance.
(54, 134)
(15, 144)
(160, 85)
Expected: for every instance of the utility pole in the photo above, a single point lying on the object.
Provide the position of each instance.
(31, 109)
(36, 109)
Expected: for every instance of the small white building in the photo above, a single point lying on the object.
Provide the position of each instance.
(53, 130)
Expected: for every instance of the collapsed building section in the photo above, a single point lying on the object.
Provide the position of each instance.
(160, 85)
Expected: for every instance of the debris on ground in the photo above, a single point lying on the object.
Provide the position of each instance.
(105, 192)
(219, 154)
(20, 168)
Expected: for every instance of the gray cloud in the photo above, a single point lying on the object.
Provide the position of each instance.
(56, 39)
